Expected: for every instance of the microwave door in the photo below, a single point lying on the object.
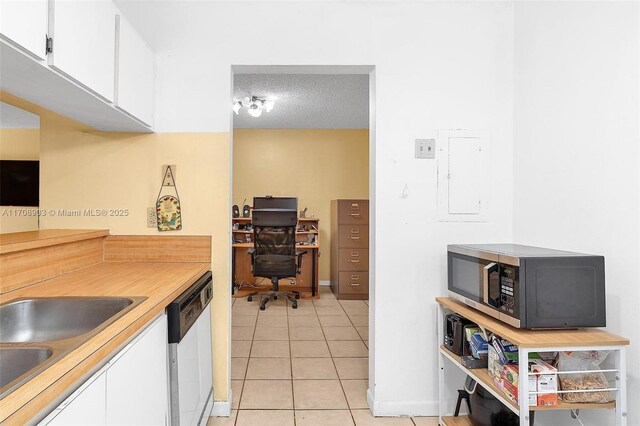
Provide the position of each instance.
(469, 278)
(491, 285)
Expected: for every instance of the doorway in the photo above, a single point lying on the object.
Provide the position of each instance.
(314, 142)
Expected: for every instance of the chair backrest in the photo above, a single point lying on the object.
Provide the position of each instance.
(274, 241)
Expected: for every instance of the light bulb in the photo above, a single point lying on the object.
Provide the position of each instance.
(268, 105)
(255, 110)
(236, 107)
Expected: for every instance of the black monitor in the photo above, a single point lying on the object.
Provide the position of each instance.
(19, 183)
(268, 202)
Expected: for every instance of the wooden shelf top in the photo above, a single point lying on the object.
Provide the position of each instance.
(457, 421)
(487, 382)
(535, 338)
(19, 241)
(250, 245)
(300, 219)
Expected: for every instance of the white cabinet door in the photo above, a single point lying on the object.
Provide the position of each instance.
(137, 380)
(84, 43)
(25, 22)
(136, 75)
(85, 407)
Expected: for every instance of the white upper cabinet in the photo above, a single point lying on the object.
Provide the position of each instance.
(135, 74)
(84, 43)
(24, 23)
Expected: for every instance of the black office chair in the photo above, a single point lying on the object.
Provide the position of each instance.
(274, 253)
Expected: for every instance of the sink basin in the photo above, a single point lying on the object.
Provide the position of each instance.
(56, 318)
(16, 361)
(36, 332)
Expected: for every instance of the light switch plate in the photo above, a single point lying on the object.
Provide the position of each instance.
(426, 148)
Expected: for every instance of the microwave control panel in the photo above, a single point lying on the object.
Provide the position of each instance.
(509, 291)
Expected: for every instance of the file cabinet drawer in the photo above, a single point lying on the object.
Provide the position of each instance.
(353, 236)
(353, 212)
(353, 260)
(354, 282)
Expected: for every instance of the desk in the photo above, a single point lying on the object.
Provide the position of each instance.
(307, 281)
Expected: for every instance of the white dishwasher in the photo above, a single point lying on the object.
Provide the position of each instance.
(190, 359)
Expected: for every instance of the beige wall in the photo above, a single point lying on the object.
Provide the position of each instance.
(84, 169)
(19, 144)
(316, 166)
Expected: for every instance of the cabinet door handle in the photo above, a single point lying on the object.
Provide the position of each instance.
(353, 237)
(353, 260)
(354, 214)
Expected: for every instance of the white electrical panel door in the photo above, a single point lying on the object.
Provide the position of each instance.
(86, 406)
(25, 23)
(136, 74)
(84, 43)
(463, 175)
(137, 385)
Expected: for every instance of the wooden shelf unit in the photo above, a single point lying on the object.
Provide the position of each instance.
(530, 341)
(306, 282)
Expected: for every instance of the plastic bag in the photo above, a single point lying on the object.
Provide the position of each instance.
(583, 361)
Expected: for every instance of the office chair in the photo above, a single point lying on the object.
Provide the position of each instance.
(274, 253)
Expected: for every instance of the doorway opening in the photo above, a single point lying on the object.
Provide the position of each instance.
(304, 132)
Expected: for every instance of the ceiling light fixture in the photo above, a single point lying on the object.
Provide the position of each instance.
(254, 105)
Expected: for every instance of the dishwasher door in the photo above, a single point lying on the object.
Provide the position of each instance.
(191, 374)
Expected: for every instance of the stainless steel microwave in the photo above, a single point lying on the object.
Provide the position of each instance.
(529, 287)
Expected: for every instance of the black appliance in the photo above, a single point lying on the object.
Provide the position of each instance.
(486, 410)
(529, 287)
(454, 334)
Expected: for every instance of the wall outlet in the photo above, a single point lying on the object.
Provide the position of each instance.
(426, 148)
(152, 217)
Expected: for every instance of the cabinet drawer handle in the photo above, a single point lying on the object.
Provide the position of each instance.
(353, 237)
(354, 214)
(354, 284)
(353, 260)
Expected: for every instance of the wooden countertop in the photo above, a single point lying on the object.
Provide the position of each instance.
(535, 338)
(18, 241)
(160, 282)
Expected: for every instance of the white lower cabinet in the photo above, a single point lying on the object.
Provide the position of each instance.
(131, 389)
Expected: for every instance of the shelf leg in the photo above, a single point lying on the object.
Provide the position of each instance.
(621, 384)
(440, 334)
(523, 385)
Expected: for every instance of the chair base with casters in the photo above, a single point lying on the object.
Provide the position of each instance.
(291, 296)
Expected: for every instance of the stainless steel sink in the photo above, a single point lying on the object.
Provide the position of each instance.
(37, 332)
(18, 360)
(49, 319)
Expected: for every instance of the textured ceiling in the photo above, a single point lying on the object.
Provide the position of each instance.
(305, 101)
(16, 118)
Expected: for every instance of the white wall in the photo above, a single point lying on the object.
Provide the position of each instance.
(438, 66)
(577, 151)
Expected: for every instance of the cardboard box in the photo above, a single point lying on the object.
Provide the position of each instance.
(510, 383)
(507, 351)
(494, 364)
(545, 382)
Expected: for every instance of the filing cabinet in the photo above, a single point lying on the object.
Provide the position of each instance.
(350, 249)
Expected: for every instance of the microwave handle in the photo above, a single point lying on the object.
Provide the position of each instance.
(485, 282)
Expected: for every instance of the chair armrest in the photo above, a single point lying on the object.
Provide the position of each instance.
(299, 254)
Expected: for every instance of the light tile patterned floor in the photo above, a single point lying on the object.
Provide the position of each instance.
(302, 367)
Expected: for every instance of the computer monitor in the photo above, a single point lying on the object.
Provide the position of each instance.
(268, 202)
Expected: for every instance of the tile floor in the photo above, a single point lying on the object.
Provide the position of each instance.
(305, 367)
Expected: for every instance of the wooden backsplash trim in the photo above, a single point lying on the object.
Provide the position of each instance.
(155, 248)
(10, 243)
(19, 269)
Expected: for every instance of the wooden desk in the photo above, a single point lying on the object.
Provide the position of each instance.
(306, 282)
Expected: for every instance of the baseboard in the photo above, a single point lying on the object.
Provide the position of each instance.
(222, 408)
(401, 408)
(325, 282)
